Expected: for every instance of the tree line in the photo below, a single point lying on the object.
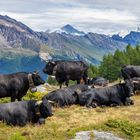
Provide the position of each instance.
(111, 64)
(110, 67)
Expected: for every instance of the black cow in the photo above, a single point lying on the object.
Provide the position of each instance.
(22, 112)
(114, 95)
(16, 85)
(130, 71)
(99, 81)
(66, 96)
(67, 70)
(136, 81)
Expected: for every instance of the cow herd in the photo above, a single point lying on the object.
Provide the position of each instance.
(16, 86)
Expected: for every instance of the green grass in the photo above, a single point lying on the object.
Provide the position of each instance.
(122, 121)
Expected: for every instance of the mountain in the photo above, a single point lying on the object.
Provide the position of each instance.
(71, 30)
(90, 47)
(16, 35)
(68, 29)
(22, 49)
(133, 38)
(117, 37)
(19, 47)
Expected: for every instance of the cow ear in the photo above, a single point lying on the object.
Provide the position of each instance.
(75, 94)
(53, 62)
(78, 91)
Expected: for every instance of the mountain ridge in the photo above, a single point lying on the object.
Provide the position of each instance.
(67, 43)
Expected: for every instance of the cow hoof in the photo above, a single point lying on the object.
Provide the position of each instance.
(41, 121)
(102, 106)
(94, 105)
(88, 106)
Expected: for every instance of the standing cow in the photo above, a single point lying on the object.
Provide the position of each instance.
(67, 70)
(130, 71)
(110, 96)
(22, 112)
(16, 85)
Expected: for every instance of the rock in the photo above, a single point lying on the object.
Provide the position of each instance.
(97, 135)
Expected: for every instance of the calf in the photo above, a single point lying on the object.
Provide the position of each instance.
(16, 85)
(22, 112)
(110, 96)
(66, 96)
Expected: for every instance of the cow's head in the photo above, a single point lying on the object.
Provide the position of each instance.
(129, 88)
(37, 80)
(44, 108)
(49, 67)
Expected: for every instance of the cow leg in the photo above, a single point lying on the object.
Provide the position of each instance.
(19, 99)
(60, 86)
(113, 105)
(129, 102)
(78, 81)
(85, 79)
(13, 99)
(60, 102)
(20, 120)
(116, 102)
(67, 83)
(91, 103)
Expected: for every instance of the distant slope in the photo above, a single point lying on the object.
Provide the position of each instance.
(64, 43)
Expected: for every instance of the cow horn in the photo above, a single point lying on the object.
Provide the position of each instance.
(136, 82)
(53, 62)
(122, 82)
(51, 101)
(38, 103)
(36, 72)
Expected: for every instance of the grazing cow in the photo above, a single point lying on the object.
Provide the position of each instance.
(16, 85)
(22, 112)
(66, 96)
(99, 81)
(130, 71)
(67, 70)
(110, 96)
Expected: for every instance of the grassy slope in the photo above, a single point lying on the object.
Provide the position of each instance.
(124, 121)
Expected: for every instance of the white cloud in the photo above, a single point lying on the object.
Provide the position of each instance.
(100, 16)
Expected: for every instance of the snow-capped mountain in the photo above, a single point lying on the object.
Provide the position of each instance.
(68, 29)
(22, 49)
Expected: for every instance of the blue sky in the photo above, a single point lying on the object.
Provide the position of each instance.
(100, 16)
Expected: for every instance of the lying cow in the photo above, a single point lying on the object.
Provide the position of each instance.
(136, 82)
(98, 81)
(67, 70)
(22, 112)
(66, 96)
(16, 85)
(130, 71)
(110, 96)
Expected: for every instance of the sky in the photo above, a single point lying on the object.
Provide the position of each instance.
(99, 16)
